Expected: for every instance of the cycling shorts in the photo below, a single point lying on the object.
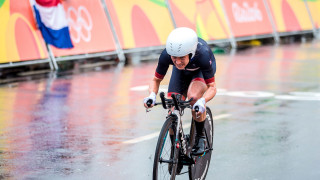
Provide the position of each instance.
(181, 79)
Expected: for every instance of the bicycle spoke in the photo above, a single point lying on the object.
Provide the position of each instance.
(163, 154)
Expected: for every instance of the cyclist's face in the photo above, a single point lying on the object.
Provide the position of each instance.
(180, 62)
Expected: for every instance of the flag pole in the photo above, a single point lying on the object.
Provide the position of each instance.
(52, 58)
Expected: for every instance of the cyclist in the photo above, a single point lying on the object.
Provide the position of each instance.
(193, 76)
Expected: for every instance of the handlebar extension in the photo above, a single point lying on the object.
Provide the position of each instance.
(149, 102)
(176, 101)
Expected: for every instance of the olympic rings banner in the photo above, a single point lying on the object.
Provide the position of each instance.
(89, 28)
(145, 23)
(206, 17)
(19, 38)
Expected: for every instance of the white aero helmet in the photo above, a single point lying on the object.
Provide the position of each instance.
(182, 41)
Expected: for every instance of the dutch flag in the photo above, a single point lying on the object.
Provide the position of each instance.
(52, 22)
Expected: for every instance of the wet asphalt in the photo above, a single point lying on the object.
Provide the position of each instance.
(93, 125)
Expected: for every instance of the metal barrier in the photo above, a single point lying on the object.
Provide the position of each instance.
(139, 28)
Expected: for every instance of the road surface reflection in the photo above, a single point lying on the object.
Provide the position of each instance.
(74, 126)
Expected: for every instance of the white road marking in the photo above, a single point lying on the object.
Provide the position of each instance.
(139, 88)
(250, 94)
(301, 96)
(298, 98)
(156, 134)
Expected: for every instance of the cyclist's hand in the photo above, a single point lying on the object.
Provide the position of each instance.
(151, 100)
(201, 105)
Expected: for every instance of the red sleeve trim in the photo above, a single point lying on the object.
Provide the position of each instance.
(159, 75)
(199, 79)
(211, 80)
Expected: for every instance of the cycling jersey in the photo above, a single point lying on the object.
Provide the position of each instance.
(203, 61)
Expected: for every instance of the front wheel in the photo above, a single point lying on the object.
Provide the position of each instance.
(166, 155)
(199, 170)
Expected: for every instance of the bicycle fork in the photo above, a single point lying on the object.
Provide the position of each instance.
(186, 158)
(178, 132)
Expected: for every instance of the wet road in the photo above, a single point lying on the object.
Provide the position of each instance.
(93, 125)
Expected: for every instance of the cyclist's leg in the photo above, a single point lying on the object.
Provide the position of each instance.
(196, 90)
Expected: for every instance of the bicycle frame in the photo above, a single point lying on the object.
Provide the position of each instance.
(181, 147)
(179, 131)
(176, 113)
(186, 146)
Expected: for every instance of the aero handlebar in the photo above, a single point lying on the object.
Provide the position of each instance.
(175, 101)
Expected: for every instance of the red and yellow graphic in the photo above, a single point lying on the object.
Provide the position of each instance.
(140, 23)
(89, 28)
(206, 17)
(247, 18)
(290, 15)
(145, 23)
(314, 7)
(19, 38)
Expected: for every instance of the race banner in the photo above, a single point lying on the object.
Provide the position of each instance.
(314, 7)
(290, 15)
(140, 23)
(89, 28)
(206, 17)
(20, 39)
(247, 17)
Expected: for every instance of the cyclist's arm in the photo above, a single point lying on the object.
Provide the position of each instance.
(153, 90)
(161, 70)
(208, 71)
(211, 91)
(154, 85)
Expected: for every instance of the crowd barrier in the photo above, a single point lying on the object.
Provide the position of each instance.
(117, 27)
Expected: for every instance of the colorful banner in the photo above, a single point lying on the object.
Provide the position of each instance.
(140, 23)
(89, 28)
(314, 7)
(206, 17)
(145, 23)
(19, 38)
(290, 15)
(247, 18)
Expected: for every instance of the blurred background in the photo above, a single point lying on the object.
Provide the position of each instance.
(77, 113)
(105, 32)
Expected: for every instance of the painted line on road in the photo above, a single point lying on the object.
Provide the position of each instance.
(298, 96)
(156, 134)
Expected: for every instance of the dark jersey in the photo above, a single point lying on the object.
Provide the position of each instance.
(203, 60)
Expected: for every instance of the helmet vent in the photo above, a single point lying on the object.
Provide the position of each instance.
(179, 48)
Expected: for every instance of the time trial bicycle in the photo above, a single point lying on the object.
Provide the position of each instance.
(174, 147)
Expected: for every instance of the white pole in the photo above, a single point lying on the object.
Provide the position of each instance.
(311, 19)
(119, 50)
(52, 58)
(274, 29)
(232, 39)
